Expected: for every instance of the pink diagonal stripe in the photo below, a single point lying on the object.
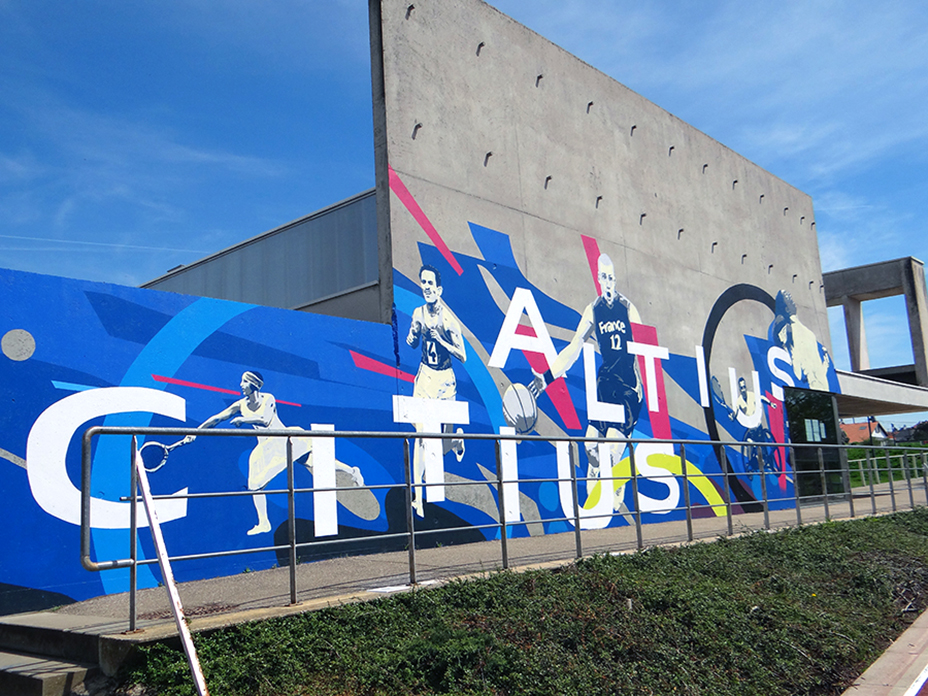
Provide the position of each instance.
(399, 188)
(366, 363)
(206, 387)
(660, 419)
(591, 247)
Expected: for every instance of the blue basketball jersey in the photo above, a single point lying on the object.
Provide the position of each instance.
(613, 332)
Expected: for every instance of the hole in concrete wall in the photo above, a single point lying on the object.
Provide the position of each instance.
(589, 106)
(486, 158)
(410, 10)
(801, 219)
(641, 219)
(632, 131)
(785, 210)
(761, 199)
(821, 288)
(415, 130)
(712, 250)
(795, 275)
(480, 47)
(547, 181)
(769, 269)
(670, 151)
(599, 199)
(811, 284)
(743, 257)
(704, 168)
(734, 183)
(538, 80)
(812, 226)
(680, 233)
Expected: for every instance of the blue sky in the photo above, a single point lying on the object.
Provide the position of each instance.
(138, 136)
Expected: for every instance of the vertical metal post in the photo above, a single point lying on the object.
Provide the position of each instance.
(846, 478)
(925, 474)
(726, 487)
(631, 454)
(872, 488)
(504, 545)
(133, 536)
(892, 487)
(410, 518)
(574, 461)
(908, 479)
(821, 471)
(763, 493)
(792, 457)
(686, 493)
(291, 519)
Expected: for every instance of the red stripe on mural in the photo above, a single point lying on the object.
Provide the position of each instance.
(778, 430)
(365, 363)
(660, 418)
(399, 188)
(557, 390)
(591, 247)
(206, 387)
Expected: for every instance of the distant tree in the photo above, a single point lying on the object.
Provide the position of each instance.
(920, 431)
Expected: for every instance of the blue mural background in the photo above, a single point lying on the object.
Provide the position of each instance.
(320, 370)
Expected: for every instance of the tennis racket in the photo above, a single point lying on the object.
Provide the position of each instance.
(155, 454)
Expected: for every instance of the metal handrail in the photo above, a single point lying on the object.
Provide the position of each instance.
(722, 480)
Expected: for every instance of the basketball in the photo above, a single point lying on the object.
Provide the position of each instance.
(519, 408)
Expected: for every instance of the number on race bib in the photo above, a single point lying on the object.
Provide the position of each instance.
(432, 352)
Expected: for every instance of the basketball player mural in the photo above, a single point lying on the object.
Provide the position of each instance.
(269, 457)
(437, 330)
(608, 318)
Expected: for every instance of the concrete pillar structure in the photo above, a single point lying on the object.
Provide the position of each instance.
(856, 334)
(852, 286)
(916, 304)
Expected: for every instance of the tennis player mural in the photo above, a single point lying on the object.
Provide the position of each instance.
(269, 457)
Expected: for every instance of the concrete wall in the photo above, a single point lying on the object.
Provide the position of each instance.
(487, 123)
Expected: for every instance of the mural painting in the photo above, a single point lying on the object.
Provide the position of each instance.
(485, 351)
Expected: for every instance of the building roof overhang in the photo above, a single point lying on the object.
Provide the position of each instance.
(864, 395)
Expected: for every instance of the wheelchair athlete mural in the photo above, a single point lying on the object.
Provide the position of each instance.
(124, 356)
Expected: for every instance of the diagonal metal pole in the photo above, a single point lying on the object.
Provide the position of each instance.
(168, 575)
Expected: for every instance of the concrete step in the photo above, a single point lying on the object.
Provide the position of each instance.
(90, 640)
(25, 674)
(50, 634)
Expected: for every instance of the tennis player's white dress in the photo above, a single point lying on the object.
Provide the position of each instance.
(269, 457)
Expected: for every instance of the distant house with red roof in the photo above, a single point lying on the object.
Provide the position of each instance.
(861, 432)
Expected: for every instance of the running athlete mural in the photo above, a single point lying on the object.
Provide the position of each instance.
(436, 329)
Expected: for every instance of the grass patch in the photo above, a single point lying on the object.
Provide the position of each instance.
(799, 611)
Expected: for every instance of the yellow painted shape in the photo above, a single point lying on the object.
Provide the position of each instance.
(622, 474)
